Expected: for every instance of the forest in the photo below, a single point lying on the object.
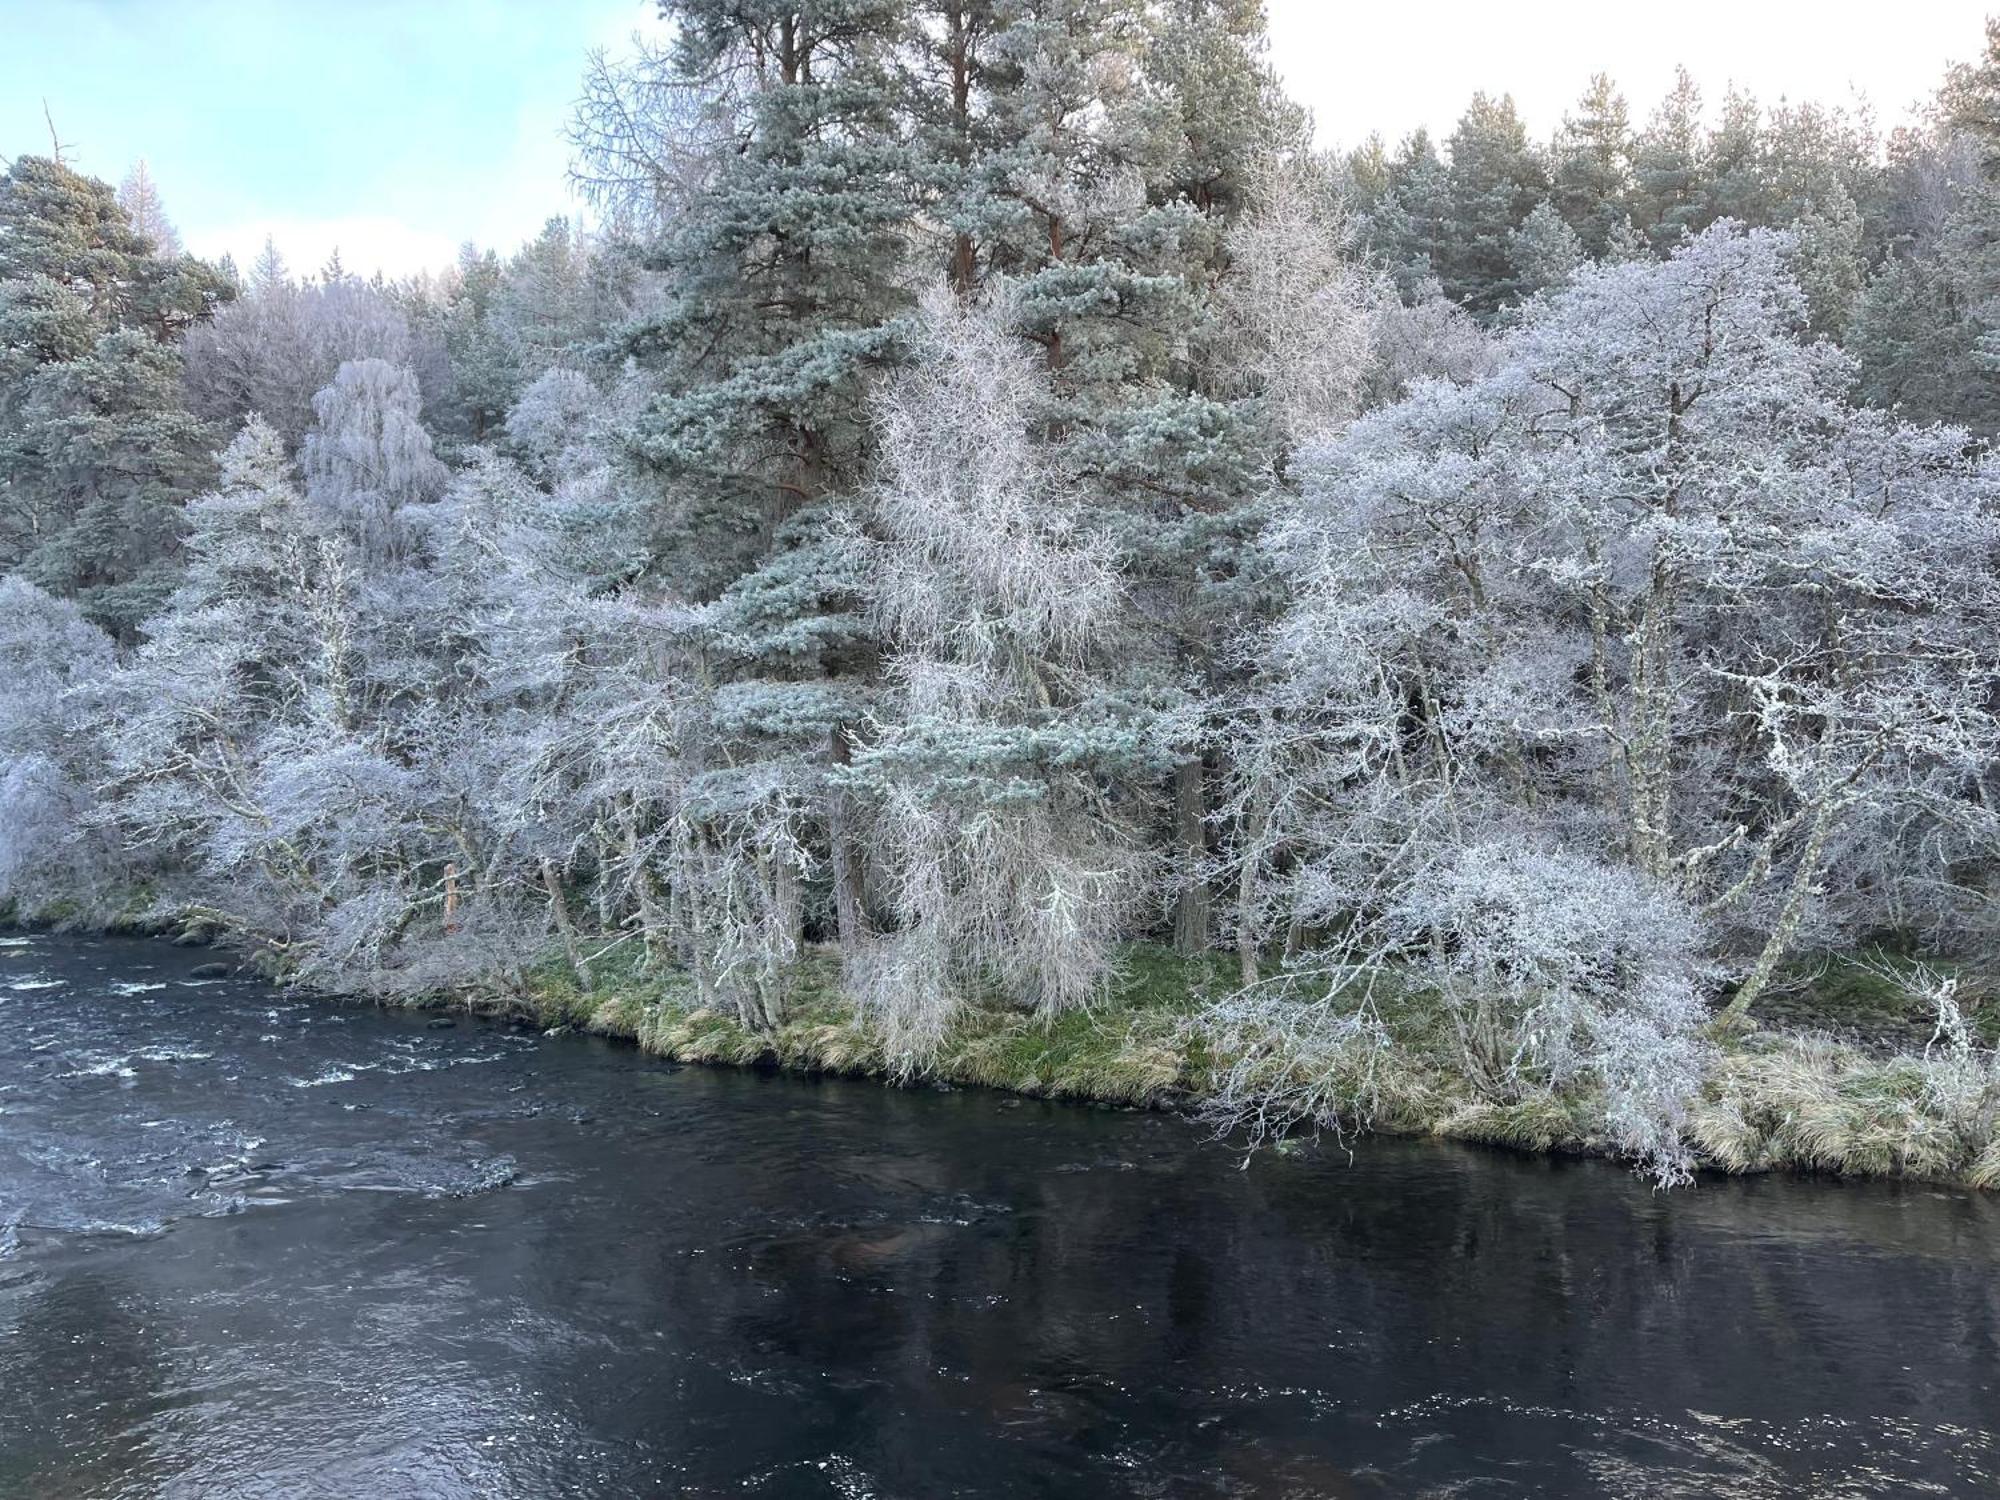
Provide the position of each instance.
(994, 541)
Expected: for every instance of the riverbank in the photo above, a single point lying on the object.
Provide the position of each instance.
(1836, 1077)
(1835, 1081)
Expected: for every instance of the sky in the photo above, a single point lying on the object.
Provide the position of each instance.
(395, 130)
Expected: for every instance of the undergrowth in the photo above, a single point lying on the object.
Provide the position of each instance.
(1822, 1094)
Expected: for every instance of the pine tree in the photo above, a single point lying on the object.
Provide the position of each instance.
(1544, 252)
(1185, 455)
(97, 448)
(782, 285)
(948, 58)
(1078, 141)
(1408, 228)
(1496, 178)
(1927, 327)
(1670, 168)
(485, 374)
(1593, 174)
(1737, 185)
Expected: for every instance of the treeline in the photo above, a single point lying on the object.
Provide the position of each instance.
(993, 493)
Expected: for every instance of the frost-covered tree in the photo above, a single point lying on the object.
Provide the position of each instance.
(251, 644)
(1294, 308)
(1285, 363)
(562, 295)
(485, 374)
(139, 196)
(1006, 854)
(553, 424)
(991, 492)
(1652, 594)
(1126, 146)
(275, 348)
(368, 456)
(649, 135)
(55, 853)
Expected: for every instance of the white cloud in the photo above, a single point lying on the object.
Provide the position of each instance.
(1393, 69)
(367, 243)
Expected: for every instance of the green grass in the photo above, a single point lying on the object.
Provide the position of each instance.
(1134, 1047)
(1852, 997)
(1814, 1086)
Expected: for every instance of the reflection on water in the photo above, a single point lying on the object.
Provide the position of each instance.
(259, 1246)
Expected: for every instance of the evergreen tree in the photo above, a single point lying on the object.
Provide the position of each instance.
(97, 448)
(485, 376)
(1408, 229)
(1736, 183)
(1496, 178)
(1079, 144)
(782, 286)
(1544, 252)
(946, 67)
(1670, 168)
(1593, 170)
(1927, 328)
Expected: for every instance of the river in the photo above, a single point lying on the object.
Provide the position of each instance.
(253, 1244)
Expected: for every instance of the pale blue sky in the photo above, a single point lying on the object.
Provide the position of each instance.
(393, 130)
(399, 130)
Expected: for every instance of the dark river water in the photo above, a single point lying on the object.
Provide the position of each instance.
(256, 1245)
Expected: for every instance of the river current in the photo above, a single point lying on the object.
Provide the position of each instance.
(253, 1244)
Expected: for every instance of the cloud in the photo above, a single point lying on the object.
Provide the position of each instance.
(1362, 69)
(367, 243)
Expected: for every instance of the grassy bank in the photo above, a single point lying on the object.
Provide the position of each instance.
(1834, 1078)
(1830, 1088)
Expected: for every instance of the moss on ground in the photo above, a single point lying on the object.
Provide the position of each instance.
(1858, 998)
(1831, 1079)
(1133, 1048)
(1815, 1088)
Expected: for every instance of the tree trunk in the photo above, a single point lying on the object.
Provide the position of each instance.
(1650, 758)
(559, 910)
(958, 32)
(1246, 885)
(1191, 906)
(651, 922)
(850, 907)
(1804, 885)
